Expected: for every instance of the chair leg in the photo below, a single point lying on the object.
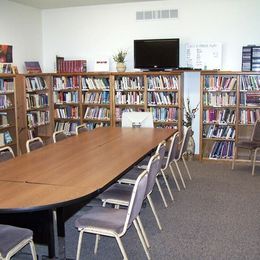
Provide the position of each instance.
(154, 211)
(186, 166)
(141, 239)
(119, 242)
(234, 156)
(167, 185)
(96, 243)
(174, 177)
(179, 171)
(161, 192)
(33, 251)
(253, 168)
(79, 244)
(143, 231)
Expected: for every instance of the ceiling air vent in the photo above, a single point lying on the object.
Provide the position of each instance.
(157, 14)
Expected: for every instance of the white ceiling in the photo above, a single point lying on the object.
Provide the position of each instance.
(49, 4)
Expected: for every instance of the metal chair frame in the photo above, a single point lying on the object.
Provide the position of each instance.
(28, 142)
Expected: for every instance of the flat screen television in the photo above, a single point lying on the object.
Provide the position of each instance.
(156, 54)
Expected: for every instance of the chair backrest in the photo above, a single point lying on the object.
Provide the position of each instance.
(34, 144)
(173, 152)
(256, 132)
(153, 169)
(80, 129)
(136, 201)
(59, 136)
(6, 153)
(161, 149)
(185, 141)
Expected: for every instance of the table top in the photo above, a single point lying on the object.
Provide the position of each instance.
(73, 168)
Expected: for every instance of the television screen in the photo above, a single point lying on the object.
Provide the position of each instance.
(156, 54)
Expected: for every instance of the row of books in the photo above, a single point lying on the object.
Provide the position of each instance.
(37, 118)
(249, 116)
(93, 125)
(163, 82)
(250, 82)
(219, 131)
(95, 83)
(65, 97)
(250, 99)
(129, 98)
(5, 138)
(69, 112)
(162, 98)
(219, 99)
(6, 68)
(119, 111)
(70, 65)
(5, 102)
(35, 83)
(164, 114)
(215, 82)
(220, 116)
(166, 126)
(36, 100)
(6, 85)
(222, 150)
(129, 83)
(4, 119)
(68, 127)
(69, 82)
(99, 113)
(96, 97)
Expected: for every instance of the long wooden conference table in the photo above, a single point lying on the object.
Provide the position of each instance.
(65, 175)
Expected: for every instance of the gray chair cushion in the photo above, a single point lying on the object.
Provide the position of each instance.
(82, 130)
(103, 218)
(5, 156)
(11, 236)
(132, 174)
(35, 145)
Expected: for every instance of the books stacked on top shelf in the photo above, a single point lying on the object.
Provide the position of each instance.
(162, 98)
(249, 116)
(33, 67)
(164, 114)
(96, 97)
(119, 111)
(4, 119)
(69, 82)
(37, 118)
(68, 127)
(222, 150)
(252, 99)
(250, 82)
(99, 113)
(92, 125)
(36, 100)
(220, 83)
(5, 102)
(162, 82)
(68, 112)
(129, 83)
(131, 98)
(220, 131)
(219, 99)
(6, 68)
(220, 116)
(35, 83)
(251, 58)
(68, 66)
(65, 97)
(6, 85)
(95, 83)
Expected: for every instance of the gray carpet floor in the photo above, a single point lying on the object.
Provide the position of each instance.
(216, 217)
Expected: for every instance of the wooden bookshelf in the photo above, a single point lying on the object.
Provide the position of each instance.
(8, 113)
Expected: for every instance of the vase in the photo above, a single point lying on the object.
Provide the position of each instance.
(120, 67)
(191, 146)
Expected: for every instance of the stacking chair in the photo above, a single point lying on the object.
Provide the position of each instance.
(179, 154)
(59, 136)
(80, 129)
(13, 239)
(253, 145)
(34, 144)
(119, 194)
(114, 222)
(6, 153)
(131, 176)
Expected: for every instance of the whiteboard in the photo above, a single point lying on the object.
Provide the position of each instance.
(206, 56)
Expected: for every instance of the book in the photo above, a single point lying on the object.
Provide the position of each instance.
(32, 67)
